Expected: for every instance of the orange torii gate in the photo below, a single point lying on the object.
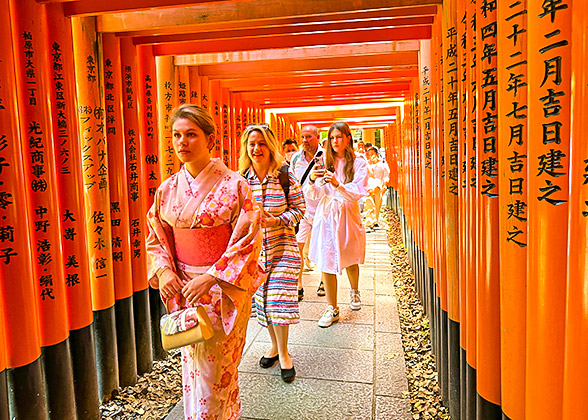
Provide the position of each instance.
(488, 174)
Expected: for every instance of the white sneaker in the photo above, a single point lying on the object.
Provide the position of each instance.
(329, 317)
(355, 300)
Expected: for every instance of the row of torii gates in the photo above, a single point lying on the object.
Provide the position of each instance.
(476, 101)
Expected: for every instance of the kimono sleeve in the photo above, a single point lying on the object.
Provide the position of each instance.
(296, 205)
(356, 189)
(239, 264)
(159, 244)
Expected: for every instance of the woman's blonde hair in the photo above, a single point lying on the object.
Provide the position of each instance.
(349, 170)
(198, 116)
(276, 157)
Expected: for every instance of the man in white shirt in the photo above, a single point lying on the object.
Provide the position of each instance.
(301, 165)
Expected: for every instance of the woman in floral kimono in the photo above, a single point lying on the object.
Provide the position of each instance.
(279, 194)
(203, 247)
(337, 241)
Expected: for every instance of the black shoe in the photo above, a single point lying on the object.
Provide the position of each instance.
(268, 362)
(376, 225)
(321, 289)
(288, 375)
(300, 294)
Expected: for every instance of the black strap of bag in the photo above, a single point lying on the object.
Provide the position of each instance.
(307, 172)
(285, 180)
(310, 166)
(283, 177)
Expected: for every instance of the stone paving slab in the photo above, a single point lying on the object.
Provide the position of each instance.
(253, 329)
(346, 365)
(390, 369)
(265, 398)
(387, 319)
(311, 280)
(367, 296)
(385, 284)
(390, 408)
(339, 335)
(311, 311)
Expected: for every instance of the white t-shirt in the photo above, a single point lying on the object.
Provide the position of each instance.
(298, 166)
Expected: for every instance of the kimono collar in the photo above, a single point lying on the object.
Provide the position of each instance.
(196, 182)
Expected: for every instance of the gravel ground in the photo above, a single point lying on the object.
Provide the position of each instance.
(157, 392)
(423, 385)
(152, 397)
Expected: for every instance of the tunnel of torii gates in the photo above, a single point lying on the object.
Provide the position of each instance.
(489, 171)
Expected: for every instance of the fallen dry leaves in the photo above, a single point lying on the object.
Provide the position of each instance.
(423, 385)
(152, 397)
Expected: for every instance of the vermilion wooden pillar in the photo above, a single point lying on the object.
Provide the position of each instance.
(512, 181)
(149, 137)
(550, 52)
(32, 78)
(253, 111)
(441, 223)
(426, 171)
(165, 100)
(239, 127)
(135, 160)
(273, 122)
(413, 151)
(91, 117)
(215, 111)
(119, 212)
(576, 340)
(227, 141)
(472, 224)
(462, 181)
(419, 184)
(488, 297)
(71, 202)
(148, 117)
(435, 131)
(406, 188)
(4, 415)
(205, 95)
(195, 88)
(451, 101)
(245, 114)
(235, 119)
(417, 179)
(21, 323)
(182, 85)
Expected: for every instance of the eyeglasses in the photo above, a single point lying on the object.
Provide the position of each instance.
(258, 126)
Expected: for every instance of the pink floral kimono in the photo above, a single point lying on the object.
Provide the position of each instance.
(210, 224)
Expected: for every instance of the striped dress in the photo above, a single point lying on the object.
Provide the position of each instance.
(276, 300)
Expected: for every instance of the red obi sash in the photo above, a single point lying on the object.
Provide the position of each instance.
(202, 246)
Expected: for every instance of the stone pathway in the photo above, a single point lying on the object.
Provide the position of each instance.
(352, 370)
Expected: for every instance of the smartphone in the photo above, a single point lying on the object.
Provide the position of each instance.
(319, 161)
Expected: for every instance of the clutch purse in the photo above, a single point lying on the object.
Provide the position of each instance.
(185, 327)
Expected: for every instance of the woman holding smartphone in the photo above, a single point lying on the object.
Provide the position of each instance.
(338, 236)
